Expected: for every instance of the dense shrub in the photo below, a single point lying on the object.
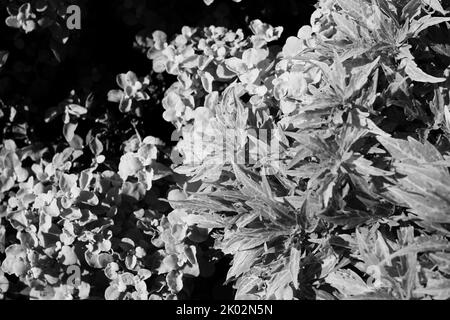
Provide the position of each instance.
(320, 166)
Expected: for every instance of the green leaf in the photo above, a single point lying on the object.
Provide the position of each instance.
(348, 283)
(422, 186)
(242, 262)
(417, 26)
(436, 5)
(69, 255)
(439, 289)
(410, 150)
(352, 7)
(346, 26)
(294, 265)
(278, 284)
(175, 281)
(207, 81)
(360, 77)
(52, 209)
(335, 75)
(69, 130)
(420, 245)
(347, 218)
(249, 187)
(112, 293)
(364, 167)
(442, 261)
(96, 146)
(207, 220)
(411, 9)
(416, 74)
(247, 287)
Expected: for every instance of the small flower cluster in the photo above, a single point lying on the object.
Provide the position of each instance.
(29, 16)
(205, 62)
(89, 223)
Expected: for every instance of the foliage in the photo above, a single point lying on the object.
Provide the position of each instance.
(353, 102)
(320, 167)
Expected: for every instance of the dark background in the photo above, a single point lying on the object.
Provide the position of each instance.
(103, 48)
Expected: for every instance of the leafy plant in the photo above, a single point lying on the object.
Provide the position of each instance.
(338, 174)
(320, 168)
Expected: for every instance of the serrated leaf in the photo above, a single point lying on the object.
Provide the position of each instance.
(364, 167)
(437, 286)
(347, 282)
(242, 262)
(410, 150)
(346, 25)
(377, 295)
(206, 220)
(203, 203)
(249, 187)
(335, 75)
(411, 9)
(354, 8)
(423, 187)
(278, 282)
(421, 244)
(359, 78)
(247, 286)
(347, 218)
(417, 26)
